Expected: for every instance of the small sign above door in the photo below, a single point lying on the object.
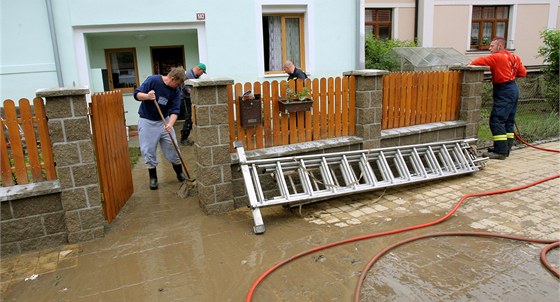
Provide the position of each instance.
(200, 16)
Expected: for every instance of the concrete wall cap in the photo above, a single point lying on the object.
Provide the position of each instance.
(366, 72)
(61, 91)
(469, 67)
(222, 81)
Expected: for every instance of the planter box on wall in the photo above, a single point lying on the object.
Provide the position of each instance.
(295, 106)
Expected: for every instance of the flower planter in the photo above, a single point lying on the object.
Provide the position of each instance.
(286, 106)
(250, 112)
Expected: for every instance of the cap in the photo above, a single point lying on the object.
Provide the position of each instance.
(202, 66)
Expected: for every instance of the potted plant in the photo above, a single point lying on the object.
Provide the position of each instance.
(485, 45)
(296, 101)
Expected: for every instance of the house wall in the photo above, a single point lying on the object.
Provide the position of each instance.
(528, 26)
(229, 40)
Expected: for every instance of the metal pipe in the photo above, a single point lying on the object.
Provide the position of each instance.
(55, 44)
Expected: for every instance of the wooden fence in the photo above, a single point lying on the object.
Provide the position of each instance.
(414, 98)
(111, 150)
(332, 114)
(26, 149)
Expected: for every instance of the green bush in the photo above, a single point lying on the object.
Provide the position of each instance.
(378, 53)
(550, 51)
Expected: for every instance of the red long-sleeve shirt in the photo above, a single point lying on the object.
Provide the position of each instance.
(504, 66)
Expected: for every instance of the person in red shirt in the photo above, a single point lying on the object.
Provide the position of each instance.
(505, 67)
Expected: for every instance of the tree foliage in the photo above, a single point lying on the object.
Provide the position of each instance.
(378, 53)
(550, 51)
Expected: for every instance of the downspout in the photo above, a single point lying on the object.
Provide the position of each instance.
(55, 44)
(416, 2)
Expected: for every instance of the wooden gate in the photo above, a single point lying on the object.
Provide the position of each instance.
(111, 149)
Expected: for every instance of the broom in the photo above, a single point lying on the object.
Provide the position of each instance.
(188, 186)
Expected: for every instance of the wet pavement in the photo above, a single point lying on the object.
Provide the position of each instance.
(163, 248)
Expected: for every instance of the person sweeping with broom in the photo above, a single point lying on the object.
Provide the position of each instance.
(160, 98)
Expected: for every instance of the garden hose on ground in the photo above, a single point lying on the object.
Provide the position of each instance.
(402, 230)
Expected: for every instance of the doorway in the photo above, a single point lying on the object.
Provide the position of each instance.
(166, 57)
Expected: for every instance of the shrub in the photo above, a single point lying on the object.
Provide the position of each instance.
(378, 53)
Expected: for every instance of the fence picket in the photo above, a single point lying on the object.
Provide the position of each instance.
(16, 143)
(6, 168)
(324, 110)
(316, 110)
(30, 140)
(44, 138)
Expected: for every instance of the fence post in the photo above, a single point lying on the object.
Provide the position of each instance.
(471, 97)
(369, 100)
(71, 138)
(211, 140)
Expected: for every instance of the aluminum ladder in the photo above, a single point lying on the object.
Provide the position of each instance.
(296, 180)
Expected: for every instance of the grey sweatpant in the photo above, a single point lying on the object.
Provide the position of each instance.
(150, 133)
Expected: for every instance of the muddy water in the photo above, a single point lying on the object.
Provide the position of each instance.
(163, 248)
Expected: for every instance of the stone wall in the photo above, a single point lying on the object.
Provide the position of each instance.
(220, 183)
(76, 167)
(31, 217)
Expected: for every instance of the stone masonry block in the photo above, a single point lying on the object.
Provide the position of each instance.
(59, 107)
(44, 242)
(240, 201)
(207, 136)
(224, 135)
(93, 196)
(21, 229)
(471, 130)
(73, 223)
(390, 142)
(79, 104)
(364, 116)
(74, 199)
(80, 236)
(212, 175)
(54, 223)
(206, 195)
(91, 217)
(86, 151)
(220, 155)
(9, 248)
(224, 192)
(66, 154)
(219, 114)
(470, 103)
(363, 99)
(473, 76)
(6, 211)
(205, 95)
(365, 83)
(98, 232)
(204, 156)
(471, 89)
(428, 137)
(56, 131)
(363, 131)
(377, 98)
(238, 187)
(222, 94)
(202, 115)
(85, 175)
(219, 208)
(446, 134)
(409, 139)
(226, 173)
(377, 115)
(37, 205)
(77, 129)
(65, 177)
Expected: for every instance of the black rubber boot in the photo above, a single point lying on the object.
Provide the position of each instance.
(510, 144)
(179, 171)
(153, 179)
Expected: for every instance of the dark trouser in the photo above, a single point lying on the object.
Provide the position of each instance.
(187, 126)
(502, 118)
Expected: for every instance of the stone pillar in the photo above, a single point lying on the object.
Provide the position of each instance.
(69, 129)
(369, 99)
(471, 97)
(211, 135)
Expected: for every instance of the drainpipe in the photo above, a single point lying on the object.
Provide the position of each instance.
(416, 3)
(55, 44)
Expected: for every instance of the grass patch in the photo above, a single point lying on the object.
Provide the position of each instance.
(134, 155)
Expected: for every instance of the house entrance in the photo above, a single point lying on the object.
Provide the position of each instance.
(166, 57)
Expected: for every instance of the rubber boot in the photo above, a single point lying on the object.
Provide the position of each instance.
(153, 179)
(179, 171)
(510, 145)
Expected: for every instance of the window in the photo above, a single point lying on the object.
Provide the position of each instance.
(122, 69)
(379, 22)
(283, 40)
(488, 22)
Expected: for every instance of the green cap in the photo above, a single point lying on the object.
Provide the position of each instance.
(202, 66)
